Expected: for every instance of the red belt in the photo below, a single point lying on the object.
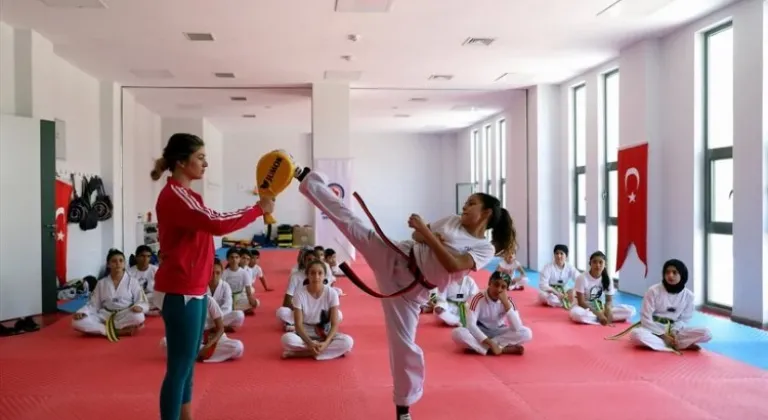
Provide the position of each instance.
(418, 277)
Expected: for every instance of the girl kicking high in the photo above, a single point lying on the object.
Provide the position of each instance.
(439, 253)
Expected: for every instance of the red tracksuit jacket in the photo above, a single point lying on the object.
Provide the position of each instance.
(186, 230)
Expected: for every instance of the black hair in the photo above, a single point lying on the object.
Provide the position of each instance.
(498, 275)
(255, 252)
(112, 252)
(244, 252)
(143, 248)
(503, 232)
(179, 148)
(217, 261)
(606, 279)
(312, 264)
(561, 247)
(329, 252)
(233, 251)
(319, 248)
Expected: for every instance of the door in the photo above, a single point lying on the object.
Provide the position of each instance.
(20, 215)
(49, 284)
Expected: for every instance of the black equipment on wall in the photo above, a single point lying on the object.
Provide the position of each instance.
(103, 203)
(91, 219)
(78, 207)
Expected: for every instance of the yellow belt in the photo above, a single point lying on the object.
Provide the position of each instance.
(462, 311)
(564, 300)
(667, 323)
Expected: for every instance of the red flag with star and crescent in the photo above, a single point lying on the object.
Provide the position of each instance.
(63, 197)
(633, 204)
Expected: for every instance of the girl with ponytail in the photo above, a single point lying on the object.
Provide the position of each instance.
(439, 254)
(590, 288)
(186, 227)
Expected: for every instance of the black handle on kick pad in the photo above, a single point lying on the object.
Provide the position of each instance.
(347, 270)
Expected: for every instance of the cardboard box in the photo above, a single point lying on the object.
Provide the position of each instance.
(303, 236)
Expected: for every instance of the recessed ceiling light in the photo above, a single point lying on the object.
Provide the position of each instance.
(224, 75)
(198, 36)
(443, 77)
(402, 116)
(418, 99)
(249, 116)
(478, 42)
(342, 75)
(152, 74)
(189, 107)
(505, 77)
(363, 6)
(238, 98)
(76, 4)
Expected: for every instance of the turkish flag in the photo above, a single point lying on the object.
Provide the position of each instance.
(63, 197)
(633, 203)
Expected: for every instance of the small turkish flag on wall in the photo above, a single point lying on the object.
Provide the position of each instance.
(633, 203)
(63, 197)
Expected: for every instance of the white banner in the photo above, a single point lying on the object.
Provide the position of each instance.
(339, 173)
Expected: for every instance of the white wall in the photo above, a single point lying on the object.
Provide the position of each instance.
(383, 165)
(517, 164)
(660, 103)
(142, 144)
(35, 82)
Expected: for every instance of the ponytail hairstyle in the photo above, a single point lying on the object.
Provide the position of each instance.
(503, 232)
(606, 279)
(179, 149)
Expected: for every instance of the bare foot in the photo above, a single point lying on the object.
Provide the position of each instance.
(515, 349)
(693, 347)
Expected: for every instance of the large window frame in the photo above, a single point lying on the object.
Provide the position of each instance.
(579, 171)
(611, 167)
(711, 157)
(501, 160)
(474, 156)
(487, 162)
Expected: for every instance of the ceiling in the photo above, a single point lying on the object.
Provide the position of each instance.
(371, 110)
(290, 43)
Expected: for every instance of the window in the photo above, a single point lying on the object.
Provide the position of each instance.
(474, 144)
(501, 161)
(579, 135)
(718, 167)
(611, 139)
(487, 159)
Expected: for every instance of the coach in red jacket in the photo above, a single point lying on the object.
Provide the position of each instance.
(186, 229)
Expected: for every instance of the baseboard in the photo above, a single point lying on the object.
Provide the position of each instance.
(750, 322)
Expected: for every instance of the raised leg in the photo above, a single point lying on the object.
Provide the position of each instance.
(377, 254)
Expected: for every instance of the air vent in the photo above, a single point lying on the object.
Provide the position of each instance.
(238, 98)
(444, 77)
(75, 4)
(152, 74)
(249, 116)
(402, 116)
(418, 99)
(225, 75)
(478, 42)
(198, 36)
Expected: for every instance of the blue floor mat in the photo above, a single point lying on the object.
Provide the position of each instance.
(739, 342)
(73, 305)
